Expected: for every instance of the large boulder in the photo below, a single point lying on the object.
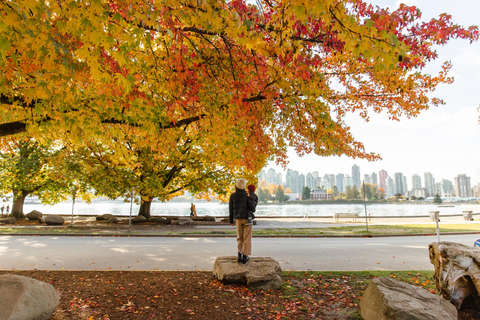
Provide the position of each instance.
(9, 220)
(139, 219)
(184, 221)
(34, 215)
(160, 220)
(457, 270)
(23, 298)
(390, 299)
(54, 220)
(104, 217)
(262, 273)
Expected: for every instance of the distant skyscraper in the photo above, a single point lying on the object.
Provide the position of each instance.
(339, 182)
(463, 188)
(366, 178)
(310, 181)
(271, 176)
(382, 180)
(315, 175)
(262, 175)
(416, 182)
(374, 178)
(300, 183)
(347, 181)
(356, 176)
(429, 184)
(447, 188)
(390, 187)
(279, 179)
(332, 179)
(399, 183)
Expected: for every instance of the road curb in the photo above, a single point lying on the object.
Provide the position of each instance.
(123, 235)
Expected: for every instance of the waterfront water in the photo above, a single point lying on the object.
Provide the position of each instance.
(118, 207)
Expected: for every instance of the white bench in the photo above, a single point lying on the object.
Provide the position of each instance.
(346, 215)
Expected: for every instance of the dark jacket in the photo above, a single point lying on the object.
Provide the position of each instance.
(239, 205)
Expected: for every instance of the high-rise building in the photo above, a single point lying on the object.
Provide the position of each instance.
(300, 183)
(347, 181)
(399, 183)
(390, 187)
(446, 189)
(310, 181)
(366, 178)
(326, 182)
(271, 176)
(279, 179)
(356, 176)
(463, 188)
(416, 182)
(382, 180)
(332, 179)
(315, 175)
(339, 182)
(262, 175)
(374, 178)
(429, 184)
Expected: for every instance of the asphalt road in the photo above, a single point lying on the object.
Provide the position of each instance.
(159, 253)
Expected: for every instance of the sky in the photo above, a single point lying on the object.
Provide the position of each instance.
(443, 140)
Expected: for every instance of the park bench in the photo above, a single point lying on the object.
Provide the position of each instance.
(346, 215)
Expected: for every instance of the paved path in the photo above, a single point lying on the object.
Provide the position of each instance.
(155, 253)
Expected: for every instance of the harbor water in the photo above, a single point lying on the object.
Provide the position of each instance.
(121, 208)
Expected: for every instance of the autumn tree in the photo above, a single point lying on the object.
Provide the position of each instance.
(30, 168)
(262, 80)
(123, 163)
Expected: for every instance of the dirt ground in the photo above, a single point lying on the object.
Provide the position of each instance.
(119, 295)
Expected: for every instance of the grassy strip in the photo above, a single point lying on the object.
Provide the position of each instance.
(343, 230)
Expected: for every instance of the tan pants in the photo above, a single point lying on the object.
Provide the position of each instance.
(244, 237)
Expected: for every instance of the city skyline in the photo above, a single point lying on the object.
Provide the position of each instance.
(426, 185)
(440, 140)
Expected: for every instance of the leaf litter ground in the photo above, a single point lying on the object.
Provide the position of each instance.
(198, 295)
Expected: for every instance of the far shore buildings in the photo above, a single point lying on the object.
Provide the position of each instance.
(392, 184)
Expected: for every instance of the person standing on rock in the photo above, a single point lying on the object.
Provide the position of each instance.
(239, 207)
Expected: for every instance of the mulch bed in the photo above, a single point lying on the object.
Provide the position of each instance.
(198, 295)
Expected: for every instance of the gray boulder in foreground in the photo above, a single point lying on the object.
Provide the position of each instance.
(34, 215)
(23, 298)
(387, 298)
(54, 220)
(260, 273)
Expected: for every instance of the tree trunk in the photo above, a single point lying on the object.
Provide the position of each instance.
(18, 200)
(145, 208)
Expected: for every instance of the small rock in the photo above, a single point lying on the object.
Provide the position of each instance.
(161, 220)
(10, 220)
(139, 219)
(184, 221)
(104, 217)
(54, 220)
(209, 218)
(387, 298)
(260, 273)
(34, 215)
(26, 298)
(112, 220)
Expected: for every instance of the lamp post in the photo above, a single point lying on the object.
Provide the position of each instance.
(365, 204)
